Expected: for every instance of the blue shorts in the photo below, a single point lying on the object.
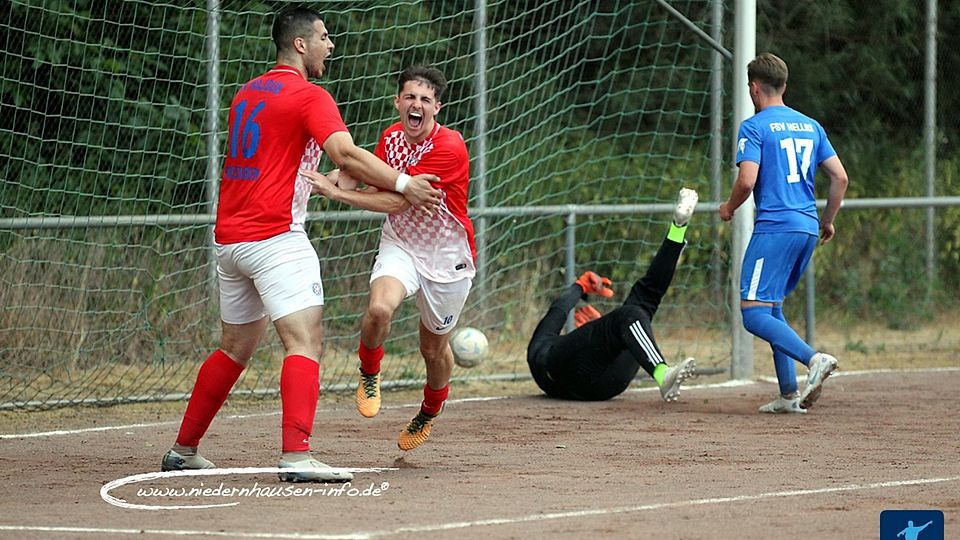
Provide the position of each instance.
(773, 265)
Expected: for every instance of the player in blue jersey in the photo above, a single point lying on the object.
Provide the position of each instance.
(778, 150)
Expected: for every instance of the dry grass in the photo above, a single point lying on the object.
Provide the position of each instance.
(860, 346)
(82, 320)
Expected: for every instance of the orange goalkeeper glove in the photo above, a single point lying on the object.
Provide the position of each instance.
(585, 314)
(591, 283)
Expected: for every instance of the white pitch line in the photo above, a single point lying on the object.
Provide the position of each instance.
(724, 384)
(183, 532)
(82, 430)
(60, 432)
(493, 521)
(885, 371)
(656, 506)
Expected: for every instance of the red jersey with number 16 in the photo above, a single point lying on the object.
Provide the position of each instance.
(278, 124)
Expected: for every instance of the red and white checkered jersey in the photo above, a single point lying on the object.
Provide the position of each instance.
(278, 123)
(442, 244)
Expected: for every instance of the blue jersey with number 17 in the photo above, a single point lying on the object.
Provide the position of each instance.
(788, 146)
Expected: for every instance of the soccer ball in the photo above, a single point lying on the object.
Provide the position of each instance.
(469, 346)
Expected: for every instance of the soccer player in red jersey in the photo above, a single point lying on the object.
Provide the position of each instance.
(430, 256)
(279, 123)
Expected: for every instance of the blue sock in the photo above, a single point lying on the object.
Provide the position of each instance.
(786, 371)
(777, 312)
(760, 321)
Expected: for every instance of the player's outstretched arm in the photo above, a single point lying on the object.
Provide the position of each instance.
(556, 316)
(365, 166)
(838, 188)
(387, 202)
(593, 283)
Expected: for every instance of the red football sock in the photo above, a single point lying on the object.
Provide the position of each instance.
(433, 399)
(299, 388)
(370, 359)
(214, 380)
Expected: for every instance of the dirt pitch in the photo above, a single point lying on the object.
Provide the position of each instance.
(524, 466)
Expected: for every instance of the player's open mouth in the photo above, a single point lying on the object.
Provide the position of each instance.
(415, 119)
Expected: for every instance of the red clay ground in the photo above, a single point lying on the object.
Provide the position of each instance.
(525, 467)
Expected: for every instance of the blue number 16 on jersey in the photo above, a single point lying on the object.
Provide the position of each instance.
(245, 133)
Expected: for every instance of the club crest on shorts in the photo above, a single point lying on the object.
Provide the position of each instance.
(317, 288)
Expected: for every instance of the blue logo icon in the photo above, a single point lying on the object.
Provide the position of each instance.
(911, 525)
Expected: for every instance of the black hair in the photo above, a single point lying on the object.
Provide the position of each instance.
(291, 23)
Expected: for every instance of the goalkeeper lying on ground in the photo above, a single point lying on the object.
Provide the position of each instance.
(602, 355)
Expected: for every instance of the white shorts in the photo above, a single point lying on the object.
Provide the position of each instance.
(440, 304)
(277, 276)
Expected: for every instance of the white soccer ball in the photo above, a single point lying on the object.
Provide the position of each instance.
(469, 346)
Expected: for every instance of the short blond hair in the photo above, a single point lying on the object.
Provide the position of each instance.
(768, 69)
